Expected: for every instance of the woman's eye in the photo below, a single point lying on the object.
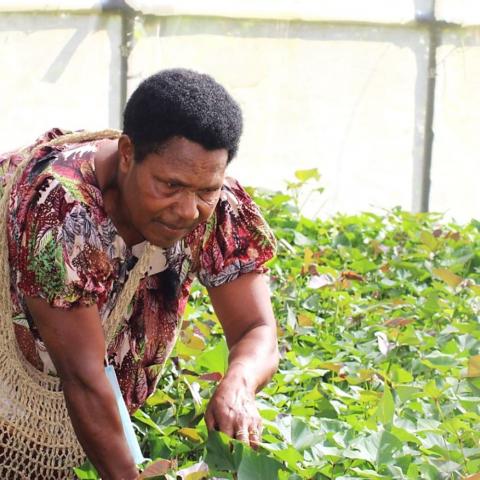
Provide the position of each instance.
(209, 196)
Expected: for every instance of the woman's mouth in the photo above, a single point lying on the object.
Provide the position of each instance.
(171, 231)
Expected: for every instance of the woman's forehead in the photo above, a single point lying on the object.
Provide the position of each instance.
(188, 162)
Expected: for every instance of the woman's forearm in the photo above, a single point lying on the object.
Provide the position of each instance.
(96, 420)
(254, 358)
(76, 344)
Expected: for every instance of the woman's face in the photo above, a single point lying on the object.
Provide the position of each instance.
(167, 194)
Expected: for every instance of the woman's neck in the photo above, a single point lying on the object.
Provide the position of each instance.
(106, 171)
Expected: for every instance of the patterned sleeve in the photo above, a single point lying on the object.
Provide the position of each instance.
(57, 251)
(237, 239)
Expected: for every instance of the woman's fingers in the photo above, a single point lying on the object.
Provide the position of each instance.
(244, 429)
(242, 434)
(232, 410)
(225, 420)
(249, 431)
(210, 420)
(255, 434)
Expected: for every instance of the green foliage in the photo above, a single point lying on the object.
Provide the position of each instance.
(380, 343)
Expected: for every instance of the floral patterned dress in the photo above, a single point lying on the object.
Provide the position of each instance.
(65, 249)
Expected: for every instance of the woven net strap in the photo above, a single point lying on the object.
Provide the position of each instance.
(120, 309)
(80, 137)
(6, 325)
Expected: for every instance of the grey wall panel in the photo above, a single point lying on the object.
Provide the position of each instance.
(58, 70)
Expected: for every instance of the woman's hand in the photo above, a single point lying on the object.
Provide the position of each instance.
(232, 410)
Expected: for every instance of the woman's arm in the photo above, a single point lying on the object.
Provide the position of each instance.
(245, 312)
(75, 341)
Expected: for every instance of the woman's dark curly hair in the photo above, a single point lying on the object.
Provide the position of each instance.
(180, 102)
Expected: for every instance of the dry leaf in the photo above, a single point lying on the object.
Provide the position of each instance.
(450, 278)
(385, 268)
(158, 467)
(453, 235)
(312, 269)
(473, 366)
(318, 254)
(211, 377)
(304, 320)
(352, 275)
(398, 322)
(475, 476)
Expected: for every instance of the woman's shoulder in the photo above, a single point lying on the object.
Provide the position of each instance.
(69, 167)
(234, 193)
(73, 167)
(235, 240)
(58, 187)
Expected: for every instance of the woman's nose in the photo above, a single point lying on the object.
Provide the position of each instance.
(187, 208)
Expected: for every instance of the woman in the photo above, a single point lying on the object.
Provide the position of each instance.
(80, 216)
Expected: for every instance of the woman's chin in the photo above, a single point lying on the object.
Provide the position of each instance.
(164, 241)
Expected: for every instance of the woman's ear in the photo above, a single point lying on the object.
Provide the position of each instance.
(126, 152)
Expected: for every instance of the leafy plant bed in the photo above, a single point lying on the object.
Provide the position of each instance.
(379, 331)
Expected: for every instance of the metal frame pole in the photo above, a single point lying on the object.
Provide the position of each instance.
(127, 15)
(422, 199)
